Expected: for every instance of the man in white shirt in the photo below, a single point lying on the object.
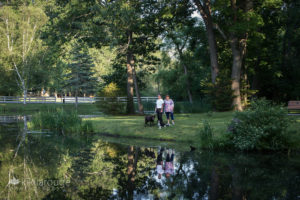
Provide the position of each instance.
(159, 111)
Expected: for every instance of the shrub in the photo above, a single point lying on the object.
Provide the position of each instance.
(60, 121)
(111, 105)
(262, 126)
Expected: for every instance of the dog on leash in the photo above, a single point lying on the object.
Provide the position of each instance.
(149, 119)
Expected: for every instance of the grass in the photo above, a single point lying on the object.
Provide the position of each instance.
(13, 108)
(186, 129)
(131, 128)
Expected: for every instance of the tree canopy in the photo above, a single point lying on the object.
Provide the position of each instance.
(191, 50)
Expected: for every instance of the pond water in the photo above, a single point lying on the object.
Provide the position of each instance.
(48, 166)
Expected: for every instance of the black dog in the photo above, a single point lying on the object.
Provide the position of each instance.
(150, 119)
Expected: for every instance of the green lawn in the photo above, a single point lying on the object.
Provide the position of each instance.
(186, 128)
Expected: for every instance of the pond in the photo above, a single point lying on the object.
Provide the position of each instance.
(48, 166)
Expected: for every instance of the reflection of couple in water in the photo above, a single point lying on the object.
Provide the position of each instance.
(168, 166)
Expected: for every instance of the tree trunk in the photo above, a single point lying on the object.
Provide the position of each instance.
(130, 105)
(246, 88)
(238, 48)
(137, 91)
(188, 84)
(76, 99)
(24, 95)
(236, 73)
(131, 171)
(205, 12)
(186, 74)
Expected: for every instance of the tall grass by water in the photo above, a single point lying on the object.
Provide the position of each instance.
(60, 121)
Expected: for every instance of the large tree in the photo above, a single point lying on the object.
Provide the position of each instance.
(80, 79)
(135, 27)
(20, 27)
(204, 7)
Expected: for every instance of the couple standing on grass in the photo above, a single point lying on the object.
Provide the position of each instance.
(166, 106)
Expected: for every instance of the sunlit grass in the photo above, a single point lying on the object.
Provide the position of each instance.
(186, 129)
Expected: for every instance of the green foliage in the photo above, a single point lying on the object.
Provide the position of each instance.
(221, 93)
(80, 78)
(87, 127)
(262, 127)
(110, 105)
(61, 122)
(206, 136)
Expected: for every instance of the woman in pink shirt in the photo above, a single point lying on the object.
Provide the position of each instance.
(169, 109)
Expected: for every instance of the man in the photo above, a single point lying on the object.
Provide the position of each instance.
(169, 109)
(159, 111)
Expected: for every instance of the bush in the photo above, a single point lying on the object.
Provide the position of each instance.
(262, 127)
(60, 122)
(111, 105)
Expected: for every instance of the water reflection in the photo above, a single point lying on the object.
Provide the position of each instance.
(37, 167)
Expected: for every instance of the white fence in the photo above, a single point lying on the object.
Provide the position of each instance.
(10, 119)
(13, 99)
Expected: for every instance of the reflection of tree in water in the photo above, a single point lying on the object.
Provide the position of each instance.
(101, 170)
(21, 170)
(225, 176)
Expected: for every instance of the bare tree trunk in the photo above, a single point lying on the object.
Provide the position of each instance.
(137, 91)
(238, 48)
(76, 99)
(205, 11)
(236, 74)
(24, 95)
(188, 84)
(246, 88)
(130, 105)
(186, 74)
(22, 84)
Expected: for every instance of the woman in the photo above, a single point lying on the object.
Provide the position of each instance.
(169, 109)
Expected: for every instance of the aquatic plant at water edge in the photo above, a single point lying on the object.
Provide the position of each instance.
(60, 121)
(206, 135)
